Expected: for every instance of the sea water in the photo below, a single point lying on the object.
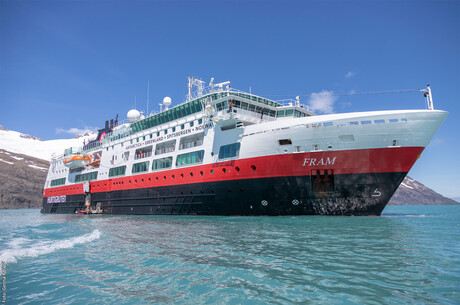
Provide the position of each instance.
(410, 255)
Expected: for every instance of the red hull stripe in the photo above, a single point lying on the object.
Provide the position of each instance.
(381, 160)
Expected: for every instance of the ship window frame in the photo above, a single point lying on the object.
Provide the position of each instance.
(86, 177)
(189, 158)
(161, 162)
(229, 151)
(140, 167)
(117, 171)
(57, 182)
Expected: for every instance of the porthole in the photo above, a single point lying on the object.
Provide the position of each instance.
(224, 170)
(237, 169)
(201, 173)
(191, 174)
(264, 203)
(212, 172)
(253, 167)
(329, 147)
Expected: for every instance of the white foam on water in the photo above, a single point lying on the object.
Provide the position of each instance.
(44, 247)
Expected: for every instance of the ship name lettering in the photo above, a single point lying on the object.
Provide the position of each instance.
(172, 135)
(316, 162)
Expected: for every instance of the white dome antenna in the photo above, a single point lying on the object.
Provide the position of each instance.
(133, 115)
(167, 102)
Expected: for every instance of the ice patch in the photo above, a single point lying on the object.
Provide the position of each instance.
(37, 167)
(45, 247)
(407, 185)
(6, 161)
(17, 158)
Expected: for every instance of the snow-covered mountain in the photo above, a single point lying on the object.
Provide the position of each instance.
(16, 142)
(413, 192)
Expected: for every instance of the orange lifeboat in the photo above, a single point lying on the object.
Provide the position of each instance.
(76, 161)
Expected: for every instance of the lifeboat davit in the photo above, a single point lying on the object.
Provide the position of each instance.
(76, 161)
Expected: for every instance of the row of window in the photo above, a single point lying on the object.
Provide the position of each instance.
(57, 182)
(290, 112)
(225, 152)
(354, 123)
(117, 171)
(245, 106)
(86, 177)
(256, 99)
(167, 116)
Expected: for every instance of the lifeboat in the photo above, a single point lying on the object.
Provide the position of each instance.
(76, 161)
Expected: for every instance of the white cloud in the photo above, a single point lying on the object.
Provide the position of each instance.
(345, 104)
(350, 74)
(322, 102)
(437, 141)
(76, 131)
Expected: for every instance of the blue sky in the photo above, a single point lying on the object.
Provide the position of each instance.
(74, 64)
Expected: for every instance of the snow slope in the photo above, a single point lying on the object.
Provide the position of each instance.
(24, 144)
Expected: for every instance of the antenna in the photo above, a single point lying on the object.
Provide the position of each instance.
(148, 89)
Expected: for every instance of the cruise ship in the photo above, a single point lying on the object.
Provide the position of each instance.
(228, 152)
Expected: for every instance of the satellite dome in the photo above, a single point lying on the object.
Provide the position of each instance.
(167, 101)
(133, 115)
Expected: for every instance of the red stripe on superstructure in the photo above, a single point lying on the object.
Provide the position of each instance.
(379, 160)
(73, 189)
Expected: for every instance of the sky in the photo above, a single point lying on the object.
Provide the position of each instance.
(67, 66)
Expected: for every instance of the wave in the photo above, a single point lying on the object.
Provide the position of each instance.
(44, 247)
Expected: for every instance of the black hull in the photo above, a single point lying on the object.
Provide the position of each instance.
(352, 194)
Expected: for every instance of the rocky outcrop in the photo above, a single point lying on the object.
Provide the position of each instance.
(21, 180)
(412, 192)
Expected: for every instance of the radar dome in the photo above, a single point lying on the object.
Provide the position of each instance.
(167, 101)
(133, 115)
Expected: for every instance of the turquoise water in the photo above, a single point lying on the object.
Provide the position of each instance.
(410, 255)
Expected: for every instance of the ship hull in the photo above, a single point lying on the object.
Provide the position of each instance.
(352, 194)
(347, 164)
